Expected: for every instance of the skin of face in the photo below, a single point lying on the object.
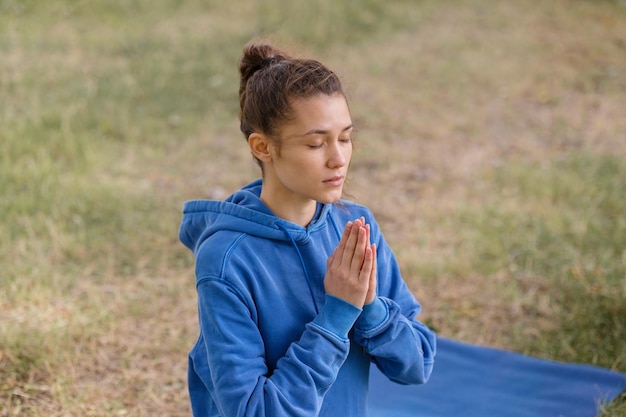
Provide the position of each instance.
(310, 161)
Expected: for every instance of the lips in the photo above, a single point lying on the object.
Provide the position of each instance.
(337, 180)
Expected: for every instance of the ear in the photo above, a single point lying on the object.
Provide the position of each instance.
(260, 147)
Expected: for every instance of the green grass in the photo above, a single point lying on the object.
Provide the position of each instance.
(499, 152)
(560, 225)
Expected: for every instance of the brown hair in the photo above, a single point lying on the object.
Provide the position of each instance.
(269, 79)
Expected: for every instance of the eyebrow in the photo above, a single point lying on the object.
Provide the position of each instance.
(324, 132)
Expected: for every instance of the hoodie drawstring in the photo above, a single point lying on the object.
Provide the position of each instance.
(335, 226)
(306, 273)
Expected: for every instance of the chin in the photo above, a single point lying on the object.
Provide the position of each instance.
(328, 196)
(329, 199)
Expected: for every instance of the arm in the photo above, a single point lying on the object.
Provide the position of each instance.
(237, 375)
(402, 347)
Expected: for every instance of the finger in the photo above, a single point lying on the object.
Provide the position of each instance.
(367, 232)
(344, 238)
(346, 232)
(329, 261)
(365, 274)
(374, 265)
(351, 244)
(372, 284)
(359, 252)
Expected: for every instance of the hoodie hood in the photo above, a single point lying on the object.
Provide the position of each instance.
(242, 212)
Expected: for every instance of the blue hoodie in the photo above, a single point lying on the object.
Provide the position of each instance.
(272, 343)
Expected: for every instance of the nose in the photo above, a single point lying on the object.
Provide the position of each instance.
(338, 154)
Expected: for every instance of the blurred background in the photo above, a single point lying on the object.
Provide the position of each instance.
(491, 145)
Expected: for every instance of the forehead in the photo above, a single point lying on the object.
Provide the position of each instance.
(320, 113)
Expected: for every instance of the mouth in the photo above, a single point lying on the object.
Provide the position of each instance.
(335, 181)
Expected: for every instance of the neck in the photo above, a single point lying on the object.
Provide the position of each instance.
(300, 213)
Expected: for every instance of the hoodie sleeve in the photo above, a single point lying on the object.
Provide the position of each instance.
(235, 371)
(402, 347)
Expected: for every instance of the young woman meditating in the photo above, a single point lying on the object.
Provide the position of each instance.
(298, 292)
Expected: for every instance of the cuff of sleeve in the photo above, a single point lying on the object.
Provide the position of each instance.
(373, 315)
(337, 316)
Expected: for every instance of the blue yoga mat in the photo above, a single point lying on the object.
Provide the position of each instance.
(476, 381)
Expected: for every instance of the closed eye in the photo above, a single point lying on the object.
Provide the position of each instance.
(318, 146)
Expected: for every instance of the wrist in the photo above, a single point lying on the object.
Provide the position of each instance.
(337, 316)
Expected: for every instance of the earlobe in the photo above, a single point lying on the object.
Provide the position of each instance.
(260, 146)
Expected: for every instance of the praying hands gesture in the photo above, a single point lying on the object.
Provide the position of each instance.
(351, 269)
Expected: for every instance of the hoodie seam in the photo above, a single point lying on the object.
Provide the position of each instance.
(201, 281)
(221, 277)
(229, 251)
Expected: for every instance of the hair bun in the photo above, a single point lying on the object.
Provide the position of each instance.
(268, 61)
(257, 56)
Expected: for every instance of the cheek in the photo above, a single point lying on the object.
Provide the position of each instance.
(348, 154)
(297, 165)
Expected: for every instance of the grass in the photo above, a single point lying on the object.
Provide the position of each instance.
(494, 131)
(561, 227)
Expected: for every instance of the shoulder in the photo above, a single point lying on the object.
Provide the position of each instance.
(216, 253)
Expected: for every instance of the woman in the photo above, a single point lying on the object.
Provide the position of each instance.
(298, 292)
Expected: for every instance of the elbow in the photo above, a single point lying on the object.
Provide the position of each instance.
(417, 376)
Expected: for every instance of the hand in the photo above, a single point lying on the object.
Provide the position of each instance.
(349, 269)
